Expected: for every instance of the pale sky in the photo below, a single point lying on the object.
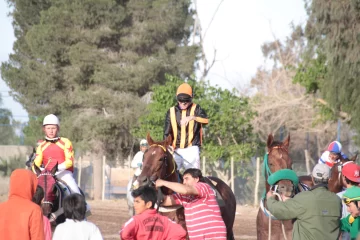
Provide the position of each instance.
(237, 32)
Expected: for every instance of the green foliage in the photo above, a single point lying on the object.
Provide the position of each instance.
(229, 132)
(7, 130)
(7, 166)
(312, 73)
(91, 61)
(332, 29)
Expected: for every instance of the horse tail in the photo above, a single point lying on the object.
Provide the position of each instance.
(229, 209)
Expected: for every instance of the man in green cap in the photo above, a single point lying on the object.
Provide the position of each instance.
(316, 212)
(351, 223)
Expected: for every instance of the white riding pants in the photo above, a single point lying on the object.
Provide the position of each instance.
(67, 177)
(187, 157)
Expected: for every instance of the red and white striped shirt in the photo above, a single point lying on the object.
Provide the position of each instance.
(202, 214)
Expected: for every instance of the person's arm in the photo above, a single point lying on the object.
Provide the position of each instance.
(36, 225)
(38, 158)
(200, 115)
(177, 187)
(167, 127)
(69, 156)
(289, 209)
(128, 230)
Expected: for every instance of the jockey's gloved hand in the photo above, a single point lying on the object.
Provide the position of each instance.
(61, 167)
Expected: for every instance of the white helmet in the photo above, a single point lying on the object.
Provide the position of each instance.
(143, 142)
(51, 120)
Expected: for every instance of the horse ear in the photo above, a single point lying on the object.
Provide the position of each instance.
(270, 140)
(149, 139)
(168, 140)
(54, 169)
(286, 143)
(37, 170)
(354, 158)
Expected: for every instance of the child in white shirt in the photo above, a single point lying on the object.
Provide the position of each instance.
(76, 227)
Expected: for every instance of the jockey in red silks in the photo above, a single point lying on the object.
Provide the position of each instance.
(332, 154)
(56, 150)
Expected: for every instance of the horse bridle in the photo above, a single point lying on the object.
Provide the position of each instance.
(45, 182)
(275, 188)
(165, 161)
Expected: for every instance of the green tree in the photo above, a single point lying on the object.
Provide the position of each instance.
(229, 132)
(7, 130)
(91, 61)
(331, 61)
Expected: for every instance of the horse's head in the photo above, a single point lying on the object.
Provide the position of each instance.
(337, 180)
(158, 163)
(277, 159)
(47, 180)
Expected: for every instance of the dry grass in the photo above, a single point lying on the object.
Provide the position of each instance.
(4, 188)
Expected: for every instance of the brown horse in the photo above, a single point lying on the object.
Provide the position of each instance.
(53, 194)
(277, 159)
(337, 182)
(158, 163)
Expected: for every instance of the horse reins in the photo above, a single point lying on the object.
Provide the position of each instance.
(268, 172)
(45, 183)
(160, 195)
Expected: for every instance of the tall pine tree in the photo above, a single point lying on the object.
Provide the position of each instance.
(332, 62)
(91, 61)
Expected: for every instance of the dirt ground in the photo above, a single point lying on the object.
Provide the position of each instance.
(110, 215)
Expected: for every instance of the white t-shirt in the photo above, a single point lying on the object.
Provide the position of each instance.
(136, 162)
(137, 159)
(74, 230)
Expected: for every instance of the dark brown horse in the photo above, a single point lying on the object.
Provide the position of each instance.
(337, 182)
(277, 158)
(53, 194)
(158, 163)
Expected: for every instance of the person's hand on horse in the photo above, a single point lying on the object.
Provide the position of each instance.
(186, 120)
(284, 198)
(270, 194)
(159, 183)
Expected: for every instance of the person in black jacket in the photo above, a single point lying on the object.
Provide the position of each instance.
(184, 123)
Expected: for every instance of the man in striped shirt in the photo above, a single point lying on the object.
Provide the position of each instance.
(202, 212)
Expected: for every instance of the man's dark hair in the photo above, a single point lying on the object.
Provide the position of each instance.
(38, 195)
(146, 193)
(195, 173)
(352, 183)
(74, 207)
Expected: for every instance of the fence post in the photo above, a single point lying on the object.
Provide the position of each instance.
(203, 166)
(79, 172)
(257, 181)
(307, 161)
(97, 175)
(103, 179)
(232, 175)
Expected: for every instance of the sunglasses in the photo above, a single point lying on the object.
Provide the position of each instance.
(349, 200)
(184, 101)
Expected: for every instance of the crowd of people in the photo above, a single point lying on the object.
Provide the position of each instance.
(317, 213)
